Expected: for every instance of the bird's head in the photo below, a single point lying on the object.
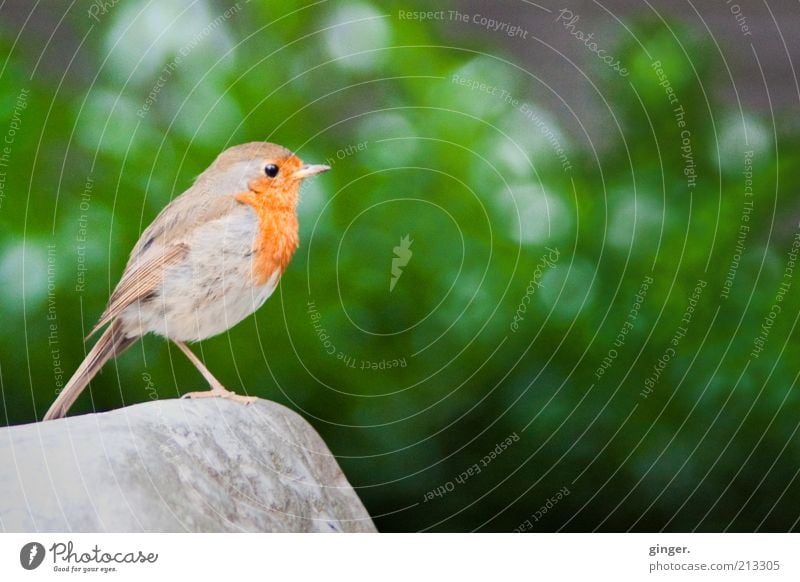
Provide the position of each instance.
(270, 174)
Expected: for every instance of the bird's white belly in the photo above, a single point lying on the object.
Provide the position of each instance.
(211, 289)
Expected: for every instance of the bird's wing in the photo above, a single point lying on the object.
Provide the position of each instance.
(175, 222)
(169, 231)
(139, 280)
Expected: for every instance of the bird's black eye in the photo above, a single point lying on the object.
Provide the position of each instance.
(271, 170)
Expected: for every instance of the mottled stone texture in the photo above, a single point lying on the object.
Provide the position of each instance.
(175, 465)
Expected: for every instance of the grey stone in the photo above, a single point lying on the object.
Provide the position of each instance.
(205, 465)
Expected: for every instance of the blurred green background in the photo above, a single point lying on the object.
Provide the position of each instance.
(538, 204)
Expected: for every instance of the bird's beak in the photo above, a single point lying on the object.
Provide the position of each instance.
(310, 170)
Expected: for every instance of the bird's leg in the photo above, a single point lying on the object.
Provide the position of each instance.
(217, 389)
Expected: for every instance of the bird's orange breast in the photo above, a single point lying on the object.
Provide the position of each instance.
(277, 236)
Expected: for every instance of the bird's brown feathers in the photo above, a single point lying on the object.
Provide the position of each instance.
(138, 281)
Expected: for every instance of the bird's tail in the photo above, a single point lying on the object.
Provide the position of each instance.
(111, 343)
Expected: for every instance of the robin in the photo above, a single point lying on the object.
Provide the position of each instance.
(211, 258)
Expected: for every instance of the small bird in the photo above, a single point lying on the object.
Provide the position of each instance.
(210, 258)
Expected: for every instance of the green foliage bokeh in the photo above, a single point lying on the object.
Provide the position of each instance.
(425, 380)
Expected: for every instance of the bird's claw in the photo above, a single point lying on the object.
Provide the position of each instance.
(217, 393)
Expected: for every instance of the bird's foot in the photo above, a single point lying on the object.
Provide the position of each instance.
(221, 392)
